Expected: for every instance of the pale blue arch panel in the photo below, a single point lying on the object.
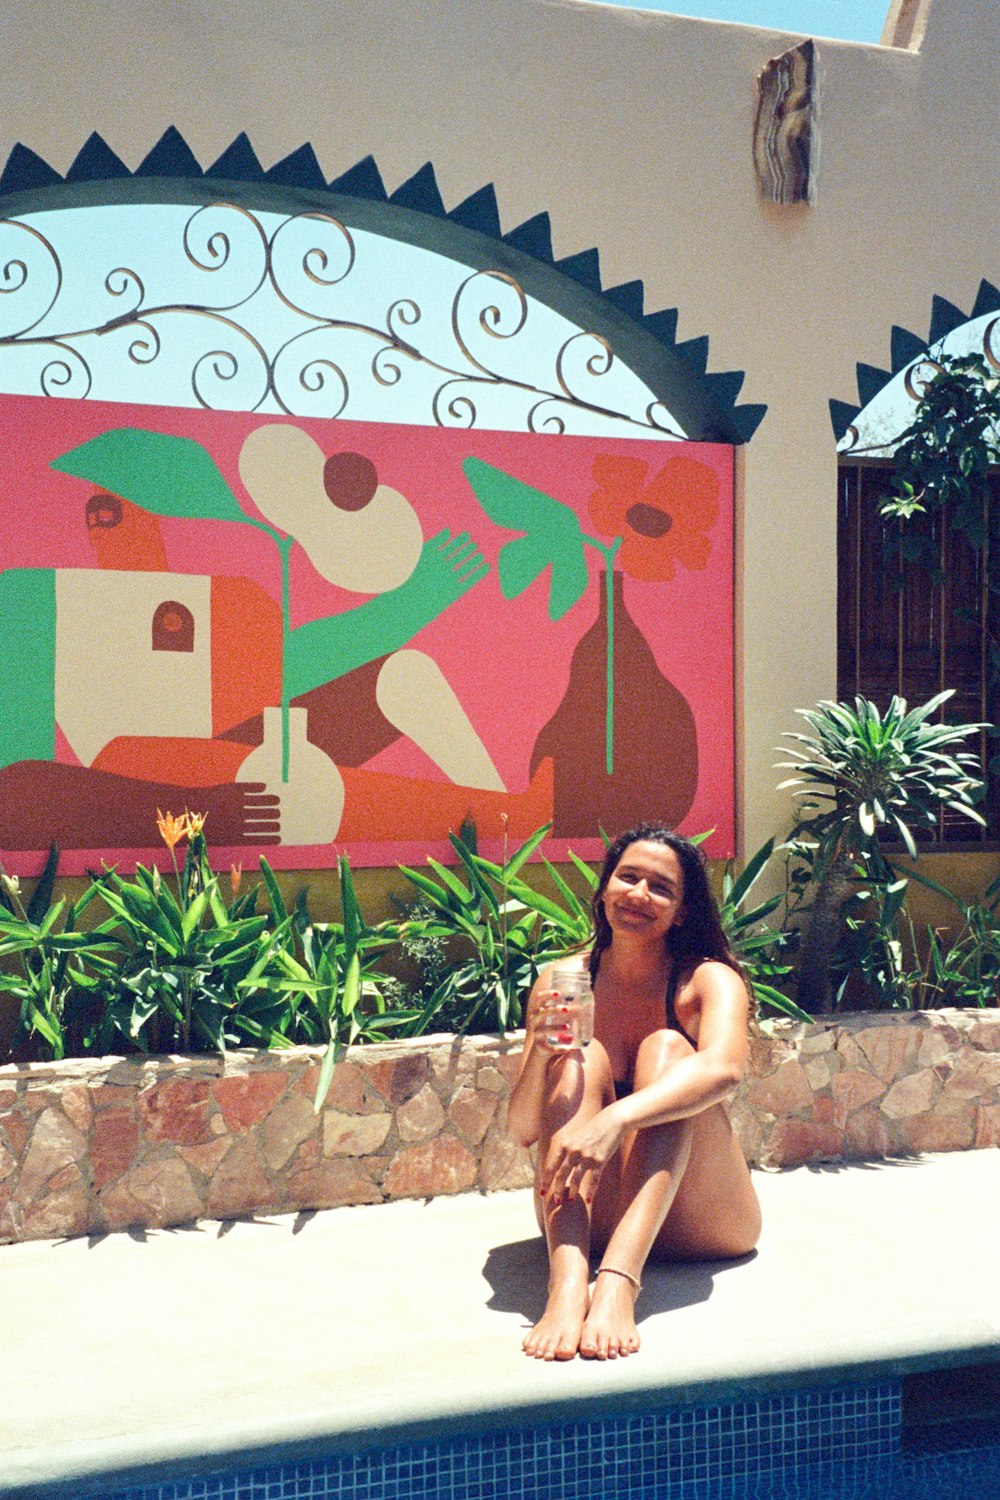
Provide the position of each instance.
(887, 399)
(277, 291)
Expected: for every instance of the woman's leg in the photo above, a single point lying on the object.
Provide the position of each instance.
(577, 1086)
(684, 1194)
(715, 1214)
(654, 1161)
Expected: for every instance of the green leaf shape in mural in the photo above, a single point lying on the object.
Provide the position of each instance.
(552, 536)
(170, 475)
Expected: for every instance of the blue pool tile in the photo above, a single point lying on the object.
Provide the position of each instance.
(709, 1452)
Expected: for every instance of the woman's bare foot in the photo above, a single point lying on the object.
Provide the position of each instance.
(556, 1335)
(609, 1329)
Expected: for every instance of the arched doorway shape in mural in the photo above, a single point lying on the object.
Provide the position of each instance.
(394, 454)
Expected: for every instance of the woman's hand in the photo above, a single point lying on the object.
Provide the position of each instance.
(547, 1024)
(577, 1156)
(548, 1037)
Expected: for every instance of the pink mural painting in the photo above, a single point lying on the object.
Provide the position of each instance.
(337, 637)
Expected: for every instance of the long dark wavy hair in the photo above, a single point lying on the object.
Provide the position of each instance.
(700, 935)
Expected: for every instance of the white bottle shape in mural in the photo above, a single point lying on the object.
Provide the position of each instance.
(312, 799)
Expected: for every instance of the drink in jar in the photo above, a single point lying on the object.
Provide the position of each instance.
(573, 1026)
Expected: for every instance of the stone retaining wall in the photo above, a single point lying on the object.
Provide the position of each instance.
(872, 1085)
(112, 1143)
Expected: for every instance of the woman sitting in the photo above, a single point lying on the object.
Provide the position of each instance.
(636, 1154)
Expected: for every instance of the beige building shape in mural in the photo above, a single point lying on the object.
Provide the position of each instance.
(116, 670)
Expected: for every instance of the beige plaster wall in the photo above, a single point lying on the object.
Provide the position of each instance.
(633, 130)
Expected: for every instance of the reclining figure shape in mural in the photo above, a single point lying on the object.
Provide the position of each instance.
(103, 736)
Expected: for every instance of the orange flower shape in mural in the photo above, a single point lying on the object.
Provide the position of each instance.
(662, 524)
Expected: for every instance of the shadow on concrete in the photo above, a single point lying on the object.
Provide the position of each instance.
(863, 1164)
(517, 1273)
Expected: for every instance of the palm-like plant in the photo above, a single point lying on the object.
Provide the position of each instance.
(759, 949)
(860, 776)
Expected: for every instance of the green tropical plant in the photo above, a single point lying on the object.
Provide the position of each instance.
(325, 974)
(182, 960)
(860, 776)
(564, 920)
(880, 945)
(946, 967)
(494, 937)
(944, 457)
(49, 966)
(964, 967)
(424, 956)
(942, 464)
(759, 948)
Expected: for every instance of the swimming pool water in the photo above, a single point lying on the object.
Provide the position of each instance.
(832, 1443)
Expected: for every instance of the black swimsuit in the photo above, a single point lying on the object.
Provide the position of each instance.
(623, 1086)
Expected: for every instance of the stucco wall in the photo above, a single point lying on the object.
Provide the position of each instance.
(633, 130)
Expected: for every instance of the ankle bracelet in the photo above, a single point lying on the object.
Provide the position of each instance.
(627, 1275)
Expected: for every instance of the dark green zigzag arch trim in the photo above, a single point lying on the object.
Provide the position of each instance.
(704, 404)
(906, 347)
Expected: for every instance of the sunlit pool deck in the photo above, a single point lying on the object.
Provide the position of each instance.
(135, 1358)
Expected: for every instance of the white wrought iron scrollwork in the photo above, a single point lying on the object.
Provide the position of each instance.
(878, 427)
(919, 376)
(266, 318)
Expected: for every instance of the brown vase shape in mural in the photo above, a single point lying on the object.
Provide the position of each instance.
(655, 742)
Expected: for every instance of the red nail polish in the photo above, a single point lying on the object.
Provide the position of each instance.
(541, 1192)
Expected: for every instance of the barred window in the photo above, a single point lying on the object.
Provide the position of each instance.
(917, 617)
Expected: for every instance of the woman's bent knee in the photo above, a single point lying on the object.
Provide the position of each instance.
(575, 1081)
(563, 1078)
(659, 1051)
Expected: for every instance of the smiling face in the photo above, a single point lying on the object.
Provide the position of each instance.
(645, 891)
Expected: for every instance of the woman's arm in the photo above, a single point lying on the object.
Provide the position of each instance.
(704, 1078)
(692, 1084)
(524, 1113)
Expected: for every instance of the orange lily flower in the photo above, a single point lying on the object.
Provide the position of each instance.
(172, 829)
(196, 822)
(235, 878)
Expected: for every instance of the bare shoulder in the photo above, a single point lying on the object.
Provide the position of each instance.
(718, 998)
(712, 976)
(714, 986)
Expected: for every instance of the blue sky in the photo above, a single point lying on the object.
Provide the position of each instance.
(851, 20)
